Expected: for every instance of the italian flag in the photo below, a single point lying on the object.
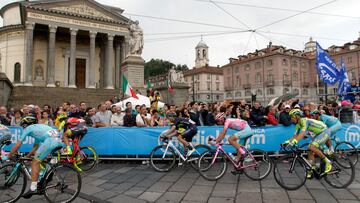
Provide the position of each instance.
(170, 88)
(149, 86)
(127, 89)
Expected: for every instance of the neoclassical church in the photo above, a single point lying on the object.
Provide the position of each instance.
(64, 43)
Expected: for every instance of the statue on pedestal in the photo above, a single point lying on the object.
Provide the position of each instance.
(136, 39)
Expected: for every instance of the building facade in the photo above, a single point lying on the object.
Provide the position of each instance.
(206, 82)
(64, 43)
(275, 70)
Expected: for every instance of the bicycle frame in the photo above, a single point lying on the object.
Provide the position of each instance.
(170, 144)
(75, 142)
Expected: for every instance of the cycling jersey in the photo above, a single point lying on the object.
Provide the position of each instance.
(39, 132)
(186, 128)
(328, 120)
(310, 125)
(235, 124)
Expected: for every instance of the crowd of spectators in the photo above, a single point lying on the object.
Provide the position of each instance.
(203, 114)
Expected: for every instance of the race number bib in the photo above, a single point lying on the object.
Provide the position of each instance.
(53, 133)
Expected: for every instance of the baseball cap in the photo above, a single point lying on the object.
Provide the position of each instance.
(345, 103)
(287, 106)
(297, 106)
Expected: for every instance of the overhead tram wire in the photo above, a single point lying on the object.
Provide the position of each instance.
(247, 43)
(279, 41)
(291, 16)
(279, 9)
(301, 36)
(183, 33)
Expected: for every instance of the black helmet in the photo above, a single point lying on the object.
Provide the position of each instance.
(28, 120)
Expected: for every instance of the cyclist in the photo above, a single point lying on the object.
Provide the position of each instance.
(71, 127)
(46, 140)
(184, 129)
(4, 135)
(319, 134)
(331, 122)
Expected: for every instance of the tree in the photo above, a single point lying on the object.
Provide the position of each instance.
(156, 67)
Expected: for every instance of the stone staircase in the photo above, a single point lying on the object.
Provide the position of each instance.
(55, 96)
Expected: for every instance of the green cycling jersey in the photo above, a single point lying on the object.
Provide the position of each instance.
(310, 125)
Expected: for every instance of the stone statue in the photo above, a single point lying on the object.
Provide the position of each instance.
(176, 76)
(39, 72)
(136, 39)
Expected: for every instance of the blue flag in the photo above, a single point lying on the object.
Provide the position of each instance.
(344, 83)
(326, 67)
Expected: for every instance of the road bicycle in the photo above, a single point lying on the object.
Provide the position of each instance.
(163, 157)
(255, 164)
(58, 182)
(84, 159)
(343, 149)
(290, 171)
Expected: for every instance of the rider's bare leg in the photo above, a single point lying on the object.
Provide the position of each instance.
(233, 140)
(314, 149)
(184, 142)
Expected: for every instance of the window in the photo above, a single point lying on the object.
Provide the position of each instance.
(258, 78)
(296, 91)
(237, 81)
(258, 65)
(349, 59)
(17, 72)
(269, 62)
(247, 78)
(285, 76)
(295, 76)
(258, 92)
(285, 90)
(229, 70)
(208, 97)
(247, 67)
(294, 63)
(198, 86)
(217, 77)
(335, 90)
(321, 91)
(238, 94)
(284, 62)
(228, 95)
(270, 76)
(186, 79)
(247, 92)
(208, 85)
(305, 91)
(208, 76)
(217, 86)
(270, 91)
(217, 97)
(237, 69)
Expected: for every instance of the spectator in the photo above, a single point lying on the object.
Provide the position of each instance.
(208, 115)
(90, 117)
(221, 116)
(113, 109)
(154, 98)
(17, 118)
(129, 118)
(185, 113)
(271, 120)
(194, 113)
(82, 109)
(137, 109)
(307, 111)
(172, 111)
(108, 104)
(102, 117)
(257, 114)
(45, 119)
(143, 119)
(284, 117)
(246, 116)
(66, 106)
(73, 111)
(117, 119)
(129, 106)
(37, 110)
(352, 92)
(346, 114)
(155, 119)
(4, 119)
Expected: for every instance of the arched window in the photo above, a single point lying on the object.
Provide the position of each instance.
(17, 72)
(295, 76)
(270, 91)
(285, 90)
(237, 81)
(238, 94)
(204, 53)
(258, 78)
(247, 92)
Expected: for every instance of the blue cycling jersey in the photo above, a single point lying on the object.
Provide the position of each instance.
(328, 120)
(39, 132)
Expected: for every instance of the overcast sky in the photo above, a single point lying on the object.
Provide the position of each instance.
(178, 43)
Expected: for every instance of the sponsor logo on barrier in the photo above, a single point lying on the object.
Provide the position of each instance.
(15, 136)
(352, 135)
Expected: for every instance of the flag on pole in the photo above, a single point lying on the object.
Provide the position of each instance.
(127, 89)
(326, 67)
(149, 86)
(344, 83)
(170, 88)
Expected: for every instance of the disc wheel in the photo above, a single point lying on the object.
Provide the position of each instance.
(162, 158)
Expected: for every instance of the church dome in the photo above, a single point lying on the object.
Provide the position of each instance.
(202, 44)
(310, 46)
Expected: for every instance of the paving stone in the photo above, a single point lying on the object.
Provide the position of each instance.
(248, 186)
(299, 194)
(147, 182)
(135, 191)
(125, 199)
(97, 182)
(150, 196)
(354, 186)
(171, 197)
(302, 201)
(356, 192)
(198, 193)
(221, 200)
(123, 169)
(182, 185)
(108, 186)
(120, 188)
(203, 181)
(104, 195)
(314, 184)
(89, 189)
(248, 197)
(322, 196)
(275, 195)
(224, 190)
(229, 178)
(136, 178)
(269, 183)
(160, 187)
(342, 194)
(169, 178)
(101, 173)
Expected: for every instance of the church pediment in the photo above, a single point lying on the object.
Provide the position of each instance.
(85, 8)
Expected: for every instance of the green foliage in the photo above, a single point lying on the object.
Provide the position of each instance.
(156, 67)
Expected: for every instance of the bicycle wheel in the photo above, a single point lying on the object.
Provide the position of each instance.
(12, 183)
(212, 166)
(194, 158)
(257, 164)
(86, 159)
(62, 183)
(162, 158)
(290, 173)
(340, 176)
(346, 151)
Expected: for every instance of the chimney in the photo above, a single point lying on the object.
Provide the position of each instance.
(359, 36)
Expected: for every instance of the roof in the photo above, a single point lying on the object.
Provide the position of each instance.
(204, 69)
(201, 44)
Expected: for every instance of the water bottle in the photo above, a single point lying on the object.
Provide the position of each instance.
(232, 156)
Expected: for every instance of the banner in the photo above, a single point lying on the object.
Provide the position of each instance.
(326, 67)
(344, 83)
(140, 141)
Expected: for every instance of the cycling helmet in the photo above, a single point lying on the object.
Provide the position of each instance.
(62, 117)
(28, 120)
(296, 112)
(79, 131)
(315, 111)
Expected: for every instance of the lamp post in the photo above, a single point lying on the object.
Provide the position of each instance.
(193, 86)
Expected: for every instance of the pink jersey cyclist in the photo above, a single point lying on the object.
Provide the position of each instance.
(239, 125)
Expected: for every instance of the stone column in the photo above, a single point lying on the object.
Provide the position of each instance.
(29, 53)
(92, 60)
(72, 70)
(109, 69)
(117, 65)
(51, 57)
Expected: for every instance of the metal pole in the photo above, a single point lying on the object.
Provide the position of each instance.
(326, 91)
(193, 86)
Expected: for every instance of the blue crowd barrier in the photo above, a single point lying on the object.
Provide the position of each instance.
(112, 141)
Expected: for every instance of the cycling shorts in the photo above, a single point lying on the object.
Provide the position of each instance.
(189, 134)
(47, 147)
(334, 128)
(243, 134)
(321, 138)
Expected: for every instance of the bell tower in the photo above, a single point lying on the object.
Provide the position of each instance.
(201, 54)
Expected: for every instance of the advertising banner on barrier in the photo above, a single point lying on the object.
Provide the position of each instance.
(140, 141)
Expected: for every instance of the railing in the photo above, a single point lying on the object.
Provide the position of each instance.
(247, 86)
(269, 83)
